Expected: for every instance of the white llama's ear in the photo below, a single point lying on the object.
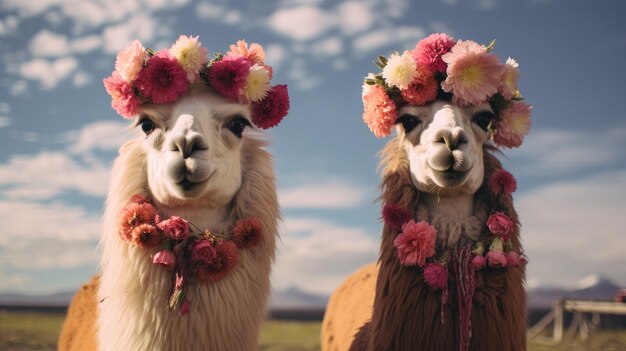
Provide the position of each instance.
(257, 195)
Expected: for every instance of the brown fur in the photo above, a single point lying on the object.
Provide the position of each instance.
(407, 312)
(79, 329)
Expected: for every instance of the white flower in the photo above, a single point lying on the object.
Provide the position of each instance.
(400, 70)
(508, 88)
(190, 55)
(257, 83)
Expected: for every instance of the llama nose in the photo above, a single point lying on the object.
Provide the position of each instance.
(188, 143)
(452, 138)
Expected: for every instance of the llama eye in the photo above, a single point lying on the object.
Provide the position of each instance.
(409, 122)
(237, 125)
(147, 126)
(483, 119)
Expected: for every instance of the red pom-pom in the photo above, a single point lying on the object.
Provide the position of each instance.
(227, 257)
(247, 232)
(502, 182)
(395, 216)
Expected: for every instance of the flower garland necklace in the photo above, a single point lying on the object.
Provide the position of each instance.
(201, 256)
(416, 247)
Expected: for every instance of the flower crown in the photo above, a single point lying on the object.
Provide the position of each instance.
(142, 75)
(437, 67)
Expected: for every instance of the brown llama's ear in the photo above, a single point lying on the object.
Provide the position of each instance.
(257, 195)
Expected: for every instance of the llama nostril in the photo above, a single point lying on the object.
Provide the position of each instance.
(186, 145)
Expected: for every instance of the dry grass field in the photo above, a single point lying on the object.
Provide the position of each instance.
(26, 331)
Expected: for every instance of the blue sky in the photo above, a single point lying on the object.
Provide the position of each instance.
(58, 134)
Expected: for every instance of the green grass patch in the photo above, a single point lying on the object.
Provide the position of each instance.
(27, 331)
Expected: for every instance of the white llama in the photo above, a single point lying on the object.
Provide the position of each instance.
(199, 158)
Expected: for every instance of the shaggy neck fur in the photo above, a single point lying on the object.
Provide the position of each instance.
(407, 312)
(226, 315)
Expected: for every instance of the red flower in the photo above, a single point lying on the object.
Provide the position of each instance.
(146, 235)
(203, 251)
(165, 258)
(133, 215)
(416, 243)
(496, 259)
(228, 76)
(500, 225)
(436, 275)
(247, 233)
(227, 257)
(175, 227)
(429, 50)
(513, 259)
(478, 262)
(268, 112)
(502, 182)
(163, 80)
(395, 216)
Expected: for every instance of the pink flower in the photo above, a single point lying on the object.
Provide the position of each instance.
(247, 232)
(146, 236)
(163, 80)
(500, 225)
(138, 199)
(165, 258)
(253, 54)
(133, 215)
(190, 54)
(474, 75)
(423, 89)
(227, 257)
(379, 110)
(513, 259)
(436, 275)
(203, 251)
(496, 259)
(175, 227)
(508, 87)
(268, 112)
(478, 262)
(395, 216)
(502, 182)
(514, 124)
(123, 98)
(185, 307)
(429, 50)
(129, 61)
(228, 76)
(416, 243)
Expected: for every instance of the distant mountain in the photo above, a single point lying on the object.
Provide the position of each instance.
(593, 287)
(296, 298)
(57, 299)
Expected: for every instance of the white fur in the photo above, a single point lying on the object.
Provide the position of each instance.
(133, 312)
(431, 151)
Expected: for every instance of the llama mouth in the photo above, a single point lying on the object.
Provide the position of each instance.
(450, 177)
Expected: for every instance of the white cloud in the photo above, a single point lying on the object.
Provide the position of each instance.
(48, 73)
(354, 16)
(275, 54)
(49, 44)
(86, 44)
(317, 255)
(558, 151)
(208, 10)
(331, 46)
(328, 194)
(402, 37)
(5, 108)
(299, 73)
(18, 88)
(118, 36)
(571, 229)
(80, 79)
(301, 23)
(5, 121)
(8, 25)
(100, 135)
